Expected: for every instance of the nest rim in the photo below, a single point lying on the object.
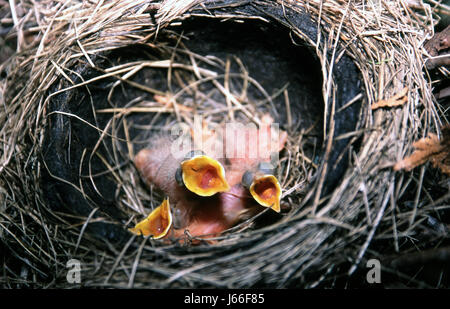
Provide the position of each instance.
(292, 275)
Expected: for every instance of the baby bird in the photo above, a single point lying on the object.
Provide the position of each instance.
(190, 184)
(209, 196)
(184, 180)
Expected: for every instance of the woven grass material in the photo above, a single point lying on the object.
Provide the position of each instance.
(323, 238)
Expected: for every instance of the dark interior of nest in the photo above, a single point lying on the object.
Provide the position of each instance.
(94, 130)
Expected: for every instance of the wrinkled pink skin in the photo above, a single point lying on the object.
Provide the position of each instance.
(212, 215)
(199, 215)
(208, 215)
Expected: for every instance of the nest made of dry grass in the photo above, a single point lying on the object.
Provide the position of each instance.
(324, 238)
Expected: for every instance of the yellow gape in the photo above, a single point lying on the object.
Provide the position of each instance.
(204, 176)
(266, 191)
(157, 224)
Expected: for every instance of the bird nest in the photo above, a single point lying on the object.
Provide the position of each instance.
(99, 82)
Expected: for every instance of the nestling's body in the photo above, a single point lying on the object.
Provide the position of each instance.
(199, 215)
(211, 215)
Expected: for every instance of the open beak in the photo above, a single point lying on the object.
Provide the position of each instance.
(266, 191)
(204, 176)
(157, 224)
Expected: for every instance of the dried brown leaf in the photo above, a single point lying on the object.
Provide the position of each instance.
(397, 100)
(429, 149)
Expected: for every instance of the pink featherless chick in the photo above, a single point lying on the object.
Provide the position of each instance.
(207, 197)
